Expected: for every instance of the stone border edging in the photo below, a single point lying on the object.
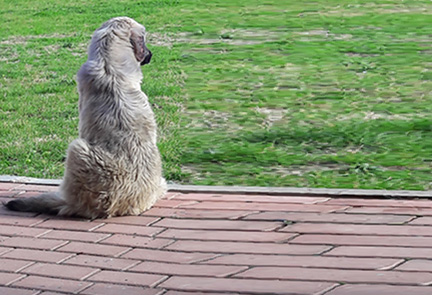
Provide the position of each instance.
(294, 191)
(280, 191)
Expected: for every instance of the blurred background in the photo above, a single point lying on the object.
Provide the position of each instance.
(261, 93)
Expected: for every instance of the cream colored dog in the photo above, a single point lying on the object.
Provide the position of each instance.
(114, 167)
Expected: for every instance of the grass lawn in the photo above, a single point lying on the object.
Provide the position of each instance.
(246, 92)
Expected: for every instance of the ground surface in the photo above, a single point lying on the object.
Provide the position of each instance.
(231, 244)
(246, 92)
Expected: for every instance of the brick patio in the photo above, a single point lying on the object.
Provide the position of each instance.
(195, 243)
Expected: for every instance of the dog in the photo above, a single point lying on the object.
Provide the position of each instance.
(114, 167)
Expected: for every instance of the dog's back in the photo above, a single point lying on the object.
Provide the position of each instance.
(114, 167)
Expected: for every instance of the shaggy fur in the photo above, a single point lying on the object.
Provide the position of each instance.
(114, 167)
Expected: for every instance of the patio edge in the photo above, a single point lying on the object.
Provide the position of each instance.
(281, 191)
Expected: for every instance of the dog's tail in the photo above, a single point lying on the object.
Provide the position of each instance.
(49, 203)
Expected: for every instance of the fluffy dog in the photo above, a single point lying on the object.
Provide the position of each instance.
(114, 167)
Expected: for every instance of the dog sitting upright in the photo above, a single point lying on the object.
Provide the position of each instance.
(114, 167)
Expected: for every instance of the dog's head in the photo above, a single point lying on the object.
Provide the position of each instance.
(126, 31)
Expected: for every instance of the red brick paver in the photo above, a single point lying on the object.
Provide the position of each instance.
(15, 291)
(109, 289)
(208, 243)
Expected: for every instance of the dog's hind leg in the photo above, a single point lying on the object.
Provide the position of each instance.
(88, 177)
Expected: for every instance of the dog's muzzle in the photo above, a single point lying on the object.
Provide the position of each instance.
(147, 58)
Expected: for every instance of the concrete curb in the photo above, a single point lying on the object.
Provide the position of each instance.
(279, 191)
(294, 191)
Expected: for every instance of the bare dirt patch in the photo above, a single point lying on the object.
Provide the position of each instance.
(211, 120)
(320, 33)
(354, 10)
(160, 39)
(368, 116)
(304, 169)
(22, 40)
(231, 36)
(8, 50)
(272, 115)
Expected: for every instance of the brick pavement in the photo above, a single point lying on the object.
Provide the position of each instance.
(196, 243)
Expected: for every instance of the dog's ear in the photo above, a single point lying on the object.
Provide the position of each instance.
(142, 53)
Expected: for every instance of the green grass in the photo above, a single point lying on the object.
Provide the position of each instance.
(43, 46)
(268, 93)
